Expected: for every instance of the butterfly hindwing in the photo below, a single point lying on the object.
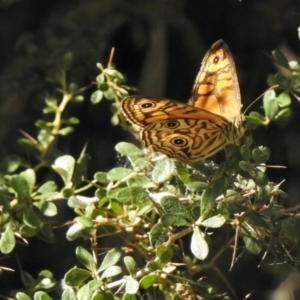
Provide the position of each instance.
(188, 140)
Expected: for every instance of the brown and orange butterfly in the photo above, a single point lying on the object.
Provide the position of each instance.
(194, 131)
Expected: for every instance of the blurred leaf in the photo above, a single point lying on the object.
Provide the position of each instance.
(76, 276)
(96, 97)
(128, 149)
(116, 174)
(7, 240)
(261, 154)
(21, 186)
(199, 246)
(67, 60)
(131, 265)
(64, 166)
(22, 296)
(41, 296)
(111, 272)
(165, 254)
(31, 219)
(10, 164)
(163, 170)
(68, 294)
(85, 258)
(148, 280)
(131, 286)
(110, 259)
(158, 234)
(214, 222)
(281, 59)
(251, 239)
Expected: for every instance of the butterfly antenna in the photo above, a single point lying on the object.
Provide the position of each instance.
(270, 88)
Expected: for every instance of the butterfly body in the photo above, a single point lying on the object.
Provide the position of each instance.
(194, 131)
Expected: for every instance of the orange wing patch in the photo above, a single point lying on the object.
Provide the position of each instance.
(216, 87)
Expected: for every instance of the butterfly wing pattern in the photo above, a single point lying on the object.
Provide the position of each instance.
(194, 131)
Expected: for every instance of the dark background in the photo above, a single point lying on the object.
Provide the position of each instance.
(159, 47)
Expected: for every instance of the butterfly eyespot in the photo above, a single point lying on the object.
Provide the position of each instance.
(147, 105)
(216, 59)
(179, 142)
(172, 124)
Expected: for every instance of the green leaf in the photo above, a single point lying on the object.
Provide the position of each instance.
(260, 178)
(131, 194)
(281, 59)
(251, 239)
(196, 186)
(174, 220)
(172, 205)
(47, 187)
(110, 259)
(140, 163)
(261, 154)
(214, 222)
(111, 272)
(183, 172)
(76, 276)
(31, 219)
(283, 114)
(116, 174)
(68, 294)
(22, 296)
(208, 199)
(47, 208)
(85, 293)
(21, 186)
(80, 169)
(158, 234)
(97, 96)
(46, 233)
(131, 265)
(74, 232)
(199, 246)
(109, 94)
(284, 99)
(129, 297)
(66, 130)
(28, 231)
(10, 164)
(85, 258)
(73, 87)
(148, 280)
(64, 166)
(67, 60)
(165, 254)
(270, 104)
(84, 221)
(163, 171)
(101, 177)
(255, 119)
(246, 152)
(128, 149)
(41, 296)
(132, 285)
(7, 240)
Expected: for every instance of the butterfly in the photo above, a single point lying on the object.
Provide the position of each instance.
(195, 131)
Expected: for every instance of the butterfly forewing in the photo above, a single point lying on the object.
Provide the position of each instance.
(196, 131)
(216, 87)
(143, 111)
